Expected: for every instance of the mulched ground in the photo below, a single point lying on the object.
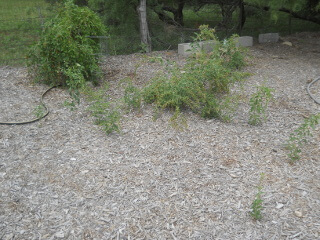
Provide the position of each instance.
(63, 178)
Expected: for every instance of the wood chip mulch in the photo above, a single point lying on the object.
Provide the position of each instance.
(63, 178)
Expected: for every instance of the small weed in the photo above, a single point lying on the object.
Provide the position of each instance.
(132, 97)
(39, 111)
(259, 104)
(144, 48)
(299, 137)
(105, 116)
(256, 206)
(155, 59)
(206, 34)
(70, 104)
(104, 112)
(178, 121)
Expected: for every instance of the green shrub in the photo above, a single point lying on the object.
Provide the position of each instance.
(299, 137)
(105, 113)
(65, 54)
(259, 104)
(203, 84)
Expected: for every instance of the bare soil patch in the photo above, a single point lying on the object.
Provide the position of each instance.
(63, 178)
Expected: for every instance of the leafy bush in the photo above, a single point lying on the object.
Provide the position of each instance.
(203, 83)
(65, 54)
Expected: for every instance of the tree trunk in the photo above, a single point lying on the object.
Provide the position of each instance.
(227, 9)
(242, 16)
(178, 17)
(144, 30)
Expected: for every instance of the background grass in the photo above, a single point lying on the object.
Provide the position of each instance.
(20, 26)
(168, 37)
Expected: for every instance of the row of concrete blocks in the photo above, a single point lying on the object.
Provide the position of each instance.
(185, 49)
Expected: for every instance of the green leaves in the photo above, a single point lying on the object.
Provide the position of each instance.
(39, 111)
(205, 34)
(65, 54)
(132, 97)
(299, 137)
(256, 206)
(104, 112)
(202, 85)
(259, 104)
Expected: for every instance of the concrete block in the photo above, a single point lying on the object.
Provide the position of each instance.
(244, 41)
(269, 38)
(185, 49)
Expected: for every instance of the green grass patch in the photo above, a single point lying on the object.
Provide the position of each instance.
(20, 26)
(20, 9)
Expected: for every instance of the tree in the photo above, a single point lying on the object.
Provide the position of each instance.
(303, 9)
(228, 7)
(163, 8)
(144, 30)
(129, 15)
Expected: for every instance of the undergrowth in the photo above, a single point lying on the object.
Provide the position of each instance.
(256, 206)
(106, 114)
(132, 97)
(300, 136)
(39, 111)
(203, 84)
(259, 104)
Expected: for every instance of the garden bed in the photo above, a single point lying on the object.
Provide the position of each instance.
(63, 178)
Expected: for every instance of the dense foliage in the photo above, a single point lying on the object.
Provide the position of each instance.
(302, 9)
(202, 85)
(65, 54)
(77, 2)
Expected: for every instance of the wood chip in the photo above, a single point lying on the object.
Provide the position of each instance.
(63, 178)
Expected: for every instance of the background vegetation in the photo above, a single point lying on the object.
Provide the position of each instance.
(21, 23)
(65, 54)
